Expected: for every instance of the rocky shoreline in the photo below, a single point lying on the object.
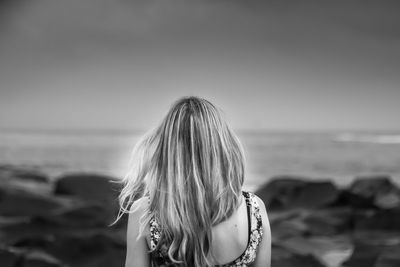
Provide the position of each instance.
(314, 223)
(318, 224)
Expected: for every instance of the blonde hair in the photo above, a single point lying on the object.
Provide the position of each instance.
(192, 169)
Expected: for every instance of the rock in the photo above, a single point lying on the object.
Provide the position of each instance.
(24, 178)
(286, 224)
(364, 255)
(35, 228)
(316, 222)
(377, 238)
(289, 228)
(390, 257)
(329, 221)
(370, 186)
(287, 192)
(91, 248)
(16, 257)
(31, 176)
(23, 203)
(90, 187)
(388, 220)
(330, 251)
(23, 173)
(40, 259)
(33, 242)
(43, 229)
(87, 250)
(285, 258)
(374, 191)
(82, 216)
(375, 249)
(9, 257)
(388, 201)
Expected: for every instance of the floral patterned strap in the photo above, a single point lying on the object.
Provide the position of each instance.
(155, 233)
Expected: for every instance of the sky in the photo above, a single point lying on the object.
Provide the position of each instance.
(269, 65)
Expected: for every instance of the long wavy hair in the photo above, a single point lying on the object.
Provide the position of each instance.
(192, 169)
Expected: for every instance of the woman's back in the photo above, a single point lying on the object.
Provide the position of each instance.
(235, 241)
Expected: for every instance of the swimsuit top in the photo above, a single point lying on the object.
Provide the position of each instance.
(160, 257)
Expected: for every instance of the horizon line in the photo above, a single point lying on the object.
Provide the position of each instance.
(85, 130)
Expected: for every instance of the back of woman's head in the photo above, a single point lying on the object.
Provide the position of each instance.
(192, 169)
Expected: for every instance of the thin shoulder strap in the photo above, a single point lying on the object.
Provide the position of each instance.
(256, 220)
(249, 209)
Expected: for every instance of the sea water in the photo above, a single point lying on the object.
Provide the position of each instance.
(338, 156)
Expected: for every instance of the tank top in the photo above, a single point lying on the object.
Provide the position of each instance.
(159, 257)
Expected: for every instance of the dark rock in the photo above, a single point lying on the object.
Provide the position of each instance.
(34, 242)
(282, 257)
(9, 257)
(36, 228)
(287, 193)
(390, 257)
(31, 176)
(316, 222)
(40, 259)
(39, 230)
(375, 248)
(388, 201)
(87, 250)
(89, 187)
(289, 228)
(373, 191)
(364, 255)
(388, 220)
(329, 221)
(20, 203)
(24, 178)
(371, 186)
(330, 251)
(97, 248)
(23, 173)
(285, 224)
(377, 238)
(82, 216)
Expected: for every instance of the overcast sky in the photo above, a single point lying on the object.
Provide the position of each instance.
(119, 64)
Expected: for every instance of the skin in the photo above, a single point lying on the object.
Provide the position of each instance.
(263, 258)
(137, 248)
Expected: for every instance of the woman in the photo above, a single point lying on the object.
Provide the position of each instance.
(184, 195)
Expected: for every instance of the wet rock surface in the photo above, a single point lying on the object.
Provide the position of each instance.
(286, 192)
(66, 223)
(314, 223)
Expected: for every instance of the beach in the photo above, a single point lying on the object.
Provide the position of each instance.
(333, 199)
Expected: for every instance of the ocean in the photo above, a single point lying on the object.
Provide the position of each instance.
(338, 156)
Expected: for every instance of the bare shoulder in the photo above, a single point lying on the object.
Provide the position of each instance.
(137, 248)
(263, 212)
(263, 258)
(261, 204)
